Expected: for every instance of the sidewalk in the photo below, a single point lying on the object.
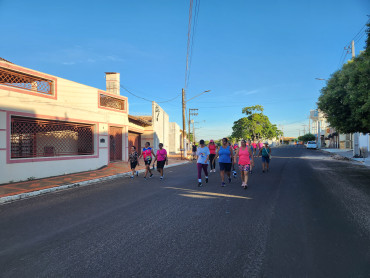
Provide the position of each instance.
(348, 154)
(20, 190)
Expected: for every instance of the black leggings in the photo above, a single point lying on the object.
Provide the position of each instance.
(212, 161)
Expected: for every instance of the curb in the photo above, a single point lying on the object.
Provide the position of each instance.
(345, 158)
(26, 195)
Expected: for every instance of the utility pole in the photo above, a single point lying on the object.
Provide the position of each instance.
(183, 123)
(191, 113)
(304, 129)
(193, 131)
(356, 136)
(318, 130)
(184, 101)
(353, 50)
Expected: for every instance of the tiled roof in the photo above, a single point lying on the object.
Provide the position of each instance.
(2, 59)
(140, 120)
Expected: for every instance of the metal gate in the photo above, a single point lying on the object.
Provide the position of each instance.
(134, 139)
(115, 143)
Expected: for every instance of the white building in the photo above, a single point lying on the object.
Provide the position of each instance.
(52, 126)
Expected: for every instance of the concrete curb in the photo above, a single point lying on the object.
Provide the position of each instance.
(345, 158)
(26, 195)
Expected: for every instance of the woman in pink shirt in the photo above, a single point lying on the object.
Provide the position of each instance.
(254, 144)
(161, 159)
(212, 153)
(245, 160)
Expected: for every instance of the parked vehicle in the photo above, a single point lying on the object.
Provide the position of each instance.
(311, 145)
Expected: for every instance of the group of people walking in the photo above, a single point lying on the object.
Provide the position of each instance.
(228, 156)
(147, 154)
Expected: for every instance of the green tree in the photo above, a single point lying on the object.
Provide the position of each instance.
(255, 126)
(307, 137)
(345, 100)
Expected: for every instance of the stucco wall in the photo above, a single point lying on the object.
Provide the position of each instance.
(174, 138)
(72, 102)
(161, 126)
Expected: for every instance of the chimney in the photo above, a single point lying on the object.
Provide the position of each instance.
(112, 82)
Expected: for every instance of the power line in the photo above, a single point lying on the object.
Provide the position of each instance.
(143, 98)
(354, 38)
(188, 43)
(196, 12)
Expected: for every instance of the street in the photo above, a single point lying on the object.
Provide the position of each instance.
(309, 216)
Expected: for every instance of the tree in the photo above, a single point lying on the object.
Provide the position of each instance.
(345, 100)
(255, 126)
(307, 137)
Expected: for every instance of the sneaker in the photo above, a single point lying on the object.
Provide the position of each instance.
(132, 177)
(214, 170)
(199, 184)
(144, 178)
(161, 178)
(223, 184)
(246, 186)
(151, 175)
(229, 180)
(137, 173)
(206, 180)
(234, 174)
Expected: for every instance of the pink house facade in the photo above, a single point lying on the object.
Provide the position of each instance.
(51, 126)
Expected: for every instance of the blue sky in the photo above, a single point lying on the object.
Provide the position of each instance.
(245, 52)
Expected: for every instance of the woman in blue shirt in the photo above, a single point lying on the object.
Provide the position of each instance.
(225, 156)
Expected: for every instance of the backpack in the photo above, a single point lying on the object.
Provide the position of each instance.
(265, 152)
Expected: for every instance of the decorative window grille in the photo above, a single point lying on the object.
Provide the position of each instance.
(112, 102)
(25, 81)
(32, 137)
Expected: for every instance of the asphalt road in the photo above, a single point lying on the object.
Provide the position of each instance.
(308, 217)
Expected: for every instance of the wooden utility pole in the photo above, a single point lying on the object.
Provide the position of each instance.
(189, 125)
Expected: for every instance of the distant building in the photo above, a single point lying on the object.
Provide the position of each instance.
(161, 130)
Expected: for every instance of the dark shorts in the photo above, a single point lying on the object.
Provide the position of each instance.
(225, 166)
(160, 164)
(147, 162)
(133, 165)
(266, 159)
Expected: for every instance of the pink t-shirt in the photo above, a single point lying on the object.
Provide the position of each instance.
(254, 145)
(161, 155)
(147, 153)
(260, 145)
(244, 158)
(212, 148)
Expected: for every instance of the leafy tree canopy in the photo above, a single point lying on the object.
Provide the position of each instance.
(346, 98)
(307, 137)
(255, 126)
